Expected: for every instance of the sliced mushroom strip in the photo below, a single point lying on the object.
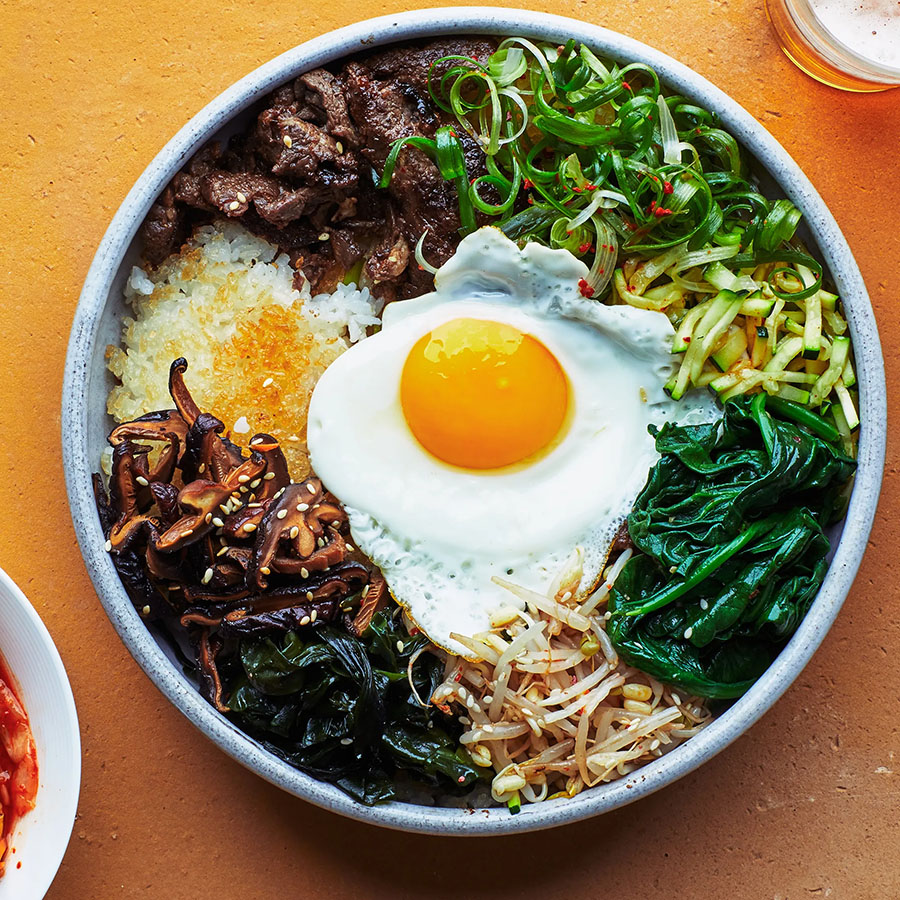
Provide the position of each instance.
(208, 647)
(295, 526)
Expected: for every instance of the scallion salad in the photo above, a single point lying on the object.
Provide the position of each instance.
(659, 202)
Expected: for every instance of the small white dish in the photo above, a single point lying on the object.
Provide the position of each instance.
(40, 838)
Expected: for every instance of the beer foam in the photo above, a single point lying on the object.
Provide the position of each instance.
(870, 28)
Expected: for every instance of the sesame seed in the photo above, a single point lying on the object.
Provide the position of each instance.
(234, 205)
(471, 703)
(336, 524)
(207, 576)
(365, 590)
(267, 382)
(309, 595)
(287, 141)
(146, 610)
(304, 620)
(311, 489)
(201, 468)
(242, 197)
(324, 236)
(108, 546)
(488, 698)
(243, 479)
(688, 632)
(463, 693)
(294, 532)
(566, 596)
(314, 615)
(465, 720)
(243, 489)
(654, 744)
(346, 742)
(293, 437)
(400, 646)
(350, 547)
(254, 505)
(207, 518)
(268, 476)
(281, 514)
(223, 550)
(265, 570)
(226, 508)
(187, 533)
(256, 482)
(249, 526)
(321, 542)
(141, 480)
(704, 604)
(304, 572)
(676, 699)
(302, 507)
(339, 146)
(527, 712)
(219, 523)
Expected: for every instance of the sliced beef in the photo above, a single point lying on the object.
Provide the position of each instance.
(164, 229)
(304, 170)
(294, 147)
(323, 100)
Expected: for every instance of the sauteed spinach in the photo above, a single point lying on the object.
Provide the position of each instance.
(342, 708)
(732, 551)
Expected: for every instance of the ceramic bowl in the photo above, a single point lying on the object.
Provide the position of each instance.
(40, 838)
(98, 320)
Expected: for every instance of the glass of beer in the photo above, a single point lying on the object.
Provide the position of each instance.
(849, 44)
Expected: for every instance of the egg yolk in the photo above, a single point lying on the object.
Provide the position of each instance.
(482, 394)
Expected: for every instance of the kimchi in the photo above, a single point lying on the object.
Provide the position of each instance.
(18, 765)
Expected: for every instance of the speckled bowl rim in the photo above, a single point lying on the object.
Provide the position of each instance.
(78, 467)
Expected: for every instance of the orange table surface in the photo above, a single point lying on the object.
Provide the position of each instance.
(805, 805)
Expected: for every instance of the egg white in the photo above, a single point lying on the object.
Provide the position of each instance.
(440, 533)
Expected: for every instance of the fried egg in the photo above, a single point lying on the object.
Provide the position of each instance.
(491, 428)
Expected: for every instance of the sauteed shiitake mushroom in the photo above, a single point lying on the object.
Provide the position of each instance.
(221, 538)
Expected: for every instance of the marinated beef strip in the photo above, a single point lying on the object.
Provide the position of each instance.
(301, 174)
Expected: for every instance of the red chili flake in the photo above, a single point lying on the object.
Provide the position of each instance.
(659, 212)
(452, 132)
(652, 207)
(603, 271)
(570, 110)
(527, 184)
(626, 85)
(530, 200)
(591, 187)
(585, 288)
(584, 247)
(577, 190)
(667, 187)
(461, 779)
(687, 340)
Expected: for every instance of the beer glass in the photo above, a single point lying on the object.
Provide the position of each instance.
(849, 44)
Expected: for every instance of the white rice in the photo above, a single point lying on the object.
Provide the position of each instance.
(255, 346)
